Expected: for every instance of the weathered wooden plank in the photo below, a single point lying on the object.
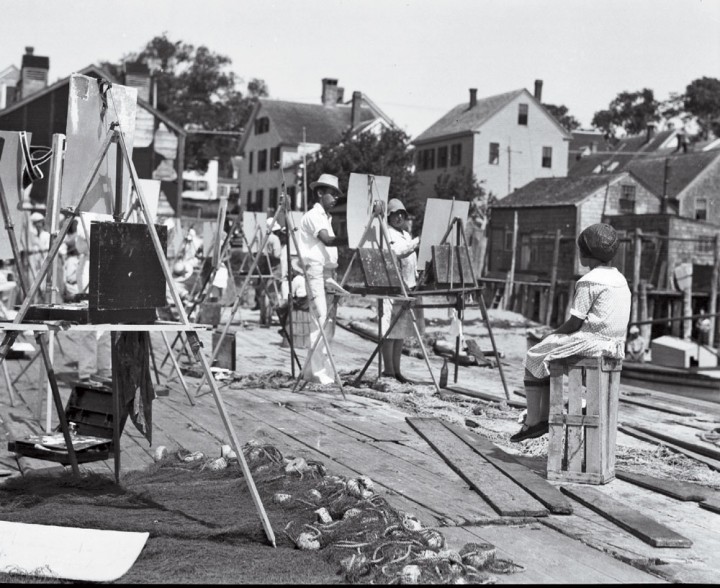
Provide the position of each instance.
(455, 502)
(544, 554)
(711, 463)
(500, 491)
(375, 430)
(686, 491)
(656, 405)
(702, 448)
(536, 486)
(711, 504)
(515, 403)
(643, 527)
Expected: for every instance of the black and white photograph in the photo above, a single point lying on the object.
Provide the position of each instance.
(360, 292)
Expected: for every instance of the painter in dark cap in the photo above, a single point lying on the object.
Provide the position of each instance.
(598, 241)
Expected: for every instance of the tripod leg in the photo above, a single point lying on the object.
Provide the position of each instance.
(177, 368)
(234, 441)
(483, 310)
(26, 367)
(8, 383)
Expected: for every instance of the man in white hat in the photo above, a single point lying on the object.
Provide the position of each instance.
(318, 246)
(317, 242)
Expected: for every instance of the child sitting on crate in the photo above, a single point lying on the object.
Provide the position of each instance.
(597, 325)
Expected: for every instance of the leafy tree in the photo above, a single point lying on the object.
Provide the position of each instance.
(383, 154)
(630, 110)
(569, 122)
(702, 99)
(197, 90)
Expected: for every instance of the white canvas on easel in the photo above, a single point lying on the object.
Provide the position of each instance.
(439, 213)
(11, 170)
(252, 221)
(151, 191)
(87, 127)
(363, 191)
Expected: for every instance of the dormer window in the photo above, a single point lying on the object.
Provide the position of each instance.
(262, 125)
(523, 114)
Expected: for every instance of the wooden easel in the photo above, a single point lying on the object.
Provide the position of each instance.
(406, 300)
(476, 288)
(115, 135)
(238, 299)
(291, 230)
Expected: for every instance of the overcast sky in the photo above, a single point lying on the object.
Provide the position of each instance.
(416, 59)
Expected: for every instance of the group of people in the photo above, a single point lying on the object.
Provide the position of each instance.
(318, 245)
(597, 325)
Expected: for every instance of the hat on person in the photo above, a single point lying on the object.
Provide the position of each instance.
(599, 241)
(37, 217)
(327, 180)
(634, 330)
(5, 284)
(273, 225)
(394, 205)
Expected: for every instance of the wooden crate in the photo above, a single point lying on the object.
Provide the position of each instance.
(582, 443)
(301, 327)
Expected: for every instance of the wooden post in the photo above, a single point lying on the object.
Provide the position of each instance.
(712, 308)
(645, 330)
(511, 275)
(687, 311)
(553, 278)
(637, 255)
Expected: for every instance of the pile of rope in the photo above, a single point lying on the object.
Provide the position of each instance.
(355, 528)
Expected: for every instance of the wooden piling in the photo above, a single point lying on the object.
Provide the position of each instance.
(637, 255)
(712, 307)
(553, 278)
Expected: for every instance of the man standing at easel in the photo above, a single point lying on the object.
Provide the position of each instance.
(318, 243)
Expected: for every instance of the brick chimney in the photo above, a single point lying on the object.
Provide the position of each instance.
(329, 92)
(137, 75)
(538, 90)
(357, 99)
(473, 98)
(33, 73)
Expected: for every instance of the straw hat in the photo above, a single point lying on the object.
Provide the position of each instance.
(327, 180)
(273, 225)
(395, 205)
(37, 217)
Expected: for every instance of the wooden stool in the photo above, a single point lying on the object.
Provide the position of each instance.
(581, 444)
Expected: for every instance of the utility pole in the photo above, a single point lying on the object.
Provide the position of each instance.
(509, 153)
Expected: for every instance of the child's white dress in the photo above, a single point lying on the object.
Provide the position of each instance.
(602, 300)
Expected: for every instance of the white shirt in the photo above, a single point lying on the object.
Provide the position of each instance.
(313, 250)
(401, 243)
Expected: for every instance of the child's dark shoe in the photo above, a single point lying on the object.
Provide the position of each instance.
(530, 432)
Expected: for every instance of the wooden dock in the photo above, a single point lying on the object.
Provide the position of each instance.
(365, 435)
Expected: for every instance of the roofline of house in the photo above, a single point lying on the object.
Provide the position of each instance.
(66, 80)
(249, 126)
(612, 179)
(440, 138)
(377, 110)
(697, 178)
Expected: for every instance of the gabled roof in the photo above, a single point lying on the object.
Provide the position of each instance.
(582, 140)
(620, 153)
(556, 191)
(321, 124)
(681, 171)
(89, 71)
(463, 119)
